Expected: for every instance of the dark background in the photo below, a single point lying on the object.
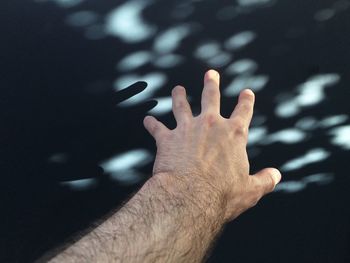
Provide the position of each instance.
(57, 96)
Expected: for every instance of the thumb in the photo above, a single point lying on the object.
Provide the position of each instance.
(267, 179)
(154, 127)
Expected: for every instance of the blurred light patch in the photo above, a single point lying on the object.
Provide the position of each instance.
(63, 3)
(164, 106)
(126, 22)
(122, 168)
(95, 32)
(168, 61)
(313, 156)
(82, 18)
(324, 14)
(128, 160)
(341, 137)
(135, 60)
(256, 135)
(321, 178)
(255, 83)
(309, 94)
(290, 187)
(341, 5)
(155, 81)
(183, 10)
(242, 66)
(287, 136)
(254, 2)
(333, 120)
(307, 123)
(58, 158)
(220, 60)
(240, 40)
(81, 185)
(170, 40)
(207, 50)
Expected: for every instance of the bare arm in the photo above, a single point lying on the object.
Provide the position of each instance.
(200, 182)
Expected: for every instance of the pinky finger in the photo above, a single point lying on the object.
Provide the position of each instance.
(155, 127)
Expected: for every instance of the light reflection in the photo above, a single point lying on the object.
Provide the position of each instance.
(122, 167)
(297, 186)
(310, 93)
(287, 136)
(341, 136)
(207, 50)
(307, 123)
(220, 60)
(164, 106)
(63, 3)
(81, 185)
(242, 66)
(135, 60)
(155, 81)
(169, 40)
(255, 83)
(240, 40)
(254, 2)
(168, 61)
(333, 120)
(256, 135)
(312, 156)
(126, 22)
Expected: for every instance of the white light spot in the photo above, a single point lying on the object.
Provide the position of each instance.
(126, 22)
(307, 123)
(168, 61)
(341, 136)
(164, 106)
(170, 40)
(287, 136)
(207, 50)
(220, 60)
(95, 32)
(58, 158)
(253, 2)
(135, 60)
(155, 81)
(242, 66)
(255, 83)
(63, 3)
(240, 40)
(321, 178)
(313, 156)
(290, 187)
(126, 161)
(333, 120)
(81, 185)
(256, 135)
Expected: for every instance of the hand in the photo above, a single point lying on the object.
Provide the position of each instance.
(208, 152)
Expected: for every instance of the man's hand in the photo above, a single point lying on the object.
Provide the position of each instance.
(200, 181)
(209, 151)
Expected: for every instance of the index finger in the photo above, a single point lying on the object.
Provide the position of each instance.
(211, 92)
(244, 108)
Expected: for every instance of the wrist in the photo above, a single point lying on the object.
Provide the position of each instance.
(196, 196)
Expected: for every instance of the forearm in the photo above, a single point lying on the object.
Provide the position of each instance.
(157, 225)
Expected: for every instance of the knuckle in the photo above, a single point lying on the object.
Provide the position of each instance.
(209, 119)
(239, 128)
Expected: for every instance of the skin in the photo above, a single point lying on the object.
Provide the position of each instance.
(200, 182)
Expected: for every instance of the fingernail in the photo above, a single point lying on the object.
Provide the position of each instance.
(276, 176)
(212, 74)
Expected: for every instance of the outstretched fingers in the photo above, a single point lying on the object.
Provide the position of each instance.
(211, 93)
(155, 127)
(181, 108)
